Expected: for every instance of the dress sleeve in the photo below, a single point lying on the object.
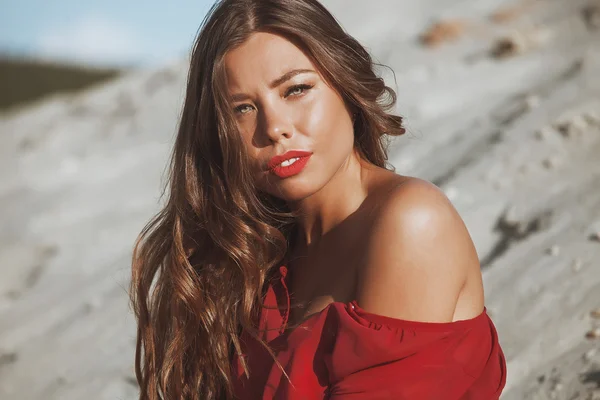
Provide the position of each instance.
(375, 357)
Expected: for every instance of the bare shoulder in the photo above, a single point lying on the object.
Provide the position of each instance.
(418, 254)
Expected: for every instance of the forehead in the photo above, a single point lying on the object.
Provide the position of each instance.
(261, 59)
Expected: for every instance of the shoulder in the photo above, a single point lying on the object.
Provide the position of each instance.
(403, 193)
(418, 254)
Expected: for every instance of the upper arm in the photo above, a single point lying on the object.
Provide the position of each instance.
(418, 255)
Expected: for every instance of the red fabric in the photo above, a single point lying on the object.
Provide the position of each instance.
(346, 353)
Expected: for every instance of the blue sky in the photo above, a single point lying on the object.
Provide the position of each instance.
(101, 32)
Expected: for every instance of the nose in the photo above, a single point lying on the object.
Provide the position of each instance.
(277, 124)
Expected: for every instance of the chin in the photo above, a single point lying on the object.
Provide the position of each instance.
(293, 190)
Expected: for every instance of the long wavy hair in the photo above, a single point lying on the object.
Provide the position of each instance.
(200, 266)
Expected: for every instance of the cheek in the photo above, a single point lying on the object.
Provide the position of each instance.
(253, 157)
(246, 137)
(251, 150)
(330, 126)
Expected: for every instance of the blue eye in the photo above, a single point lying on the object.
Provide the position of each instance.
(239, 109)
(297, 90)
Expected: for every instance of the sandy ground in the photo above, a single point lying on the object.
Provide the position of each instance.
(502, 104)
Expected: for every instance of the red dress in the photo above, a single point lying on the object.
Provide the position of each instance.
(346, 353)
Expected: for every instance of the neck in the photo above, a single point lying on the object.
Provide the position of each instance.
(340, 197)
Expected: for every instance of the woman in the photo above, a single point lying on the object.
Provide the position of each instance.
(288, 261)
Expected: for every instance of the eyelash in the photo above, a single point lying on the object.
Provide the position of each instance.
(302, 86)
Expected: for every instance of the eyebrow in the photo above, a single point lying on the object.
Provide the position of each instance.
(283, 78)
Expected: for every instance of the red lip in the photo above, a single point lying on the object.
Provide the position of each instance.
(275, 161)
(275, 166)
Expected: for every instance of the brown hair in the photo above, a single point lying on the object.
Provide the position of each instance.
(200, 265)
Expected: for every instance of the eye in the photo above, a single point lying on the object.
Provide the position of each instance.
(240, 109)
(297, 90)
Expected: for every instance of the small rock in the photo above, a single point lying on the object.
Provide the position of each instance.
(595, 313)
(580, 122)
(591, 16)
(592, 118)
(572, 127)
(552, 162)
(519, 43)
(508, 46)
(512, 221)
(589, 355)
(577, 264)
(543, 133)
(595, 237)
(510, 217)
(442, 31)
(8, 358)
(593, 334)
(553, 250)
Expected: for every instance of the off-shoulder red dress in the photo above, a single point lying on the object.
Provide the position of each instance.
(346, 353)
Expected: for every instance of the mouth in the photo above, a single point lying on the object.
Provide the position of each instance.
(289, 164)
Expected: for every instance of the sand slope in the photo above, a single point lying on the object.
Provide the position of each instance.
(512, 136)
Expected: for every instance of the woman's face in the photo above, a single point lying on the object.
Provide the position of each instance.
(282, 104)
